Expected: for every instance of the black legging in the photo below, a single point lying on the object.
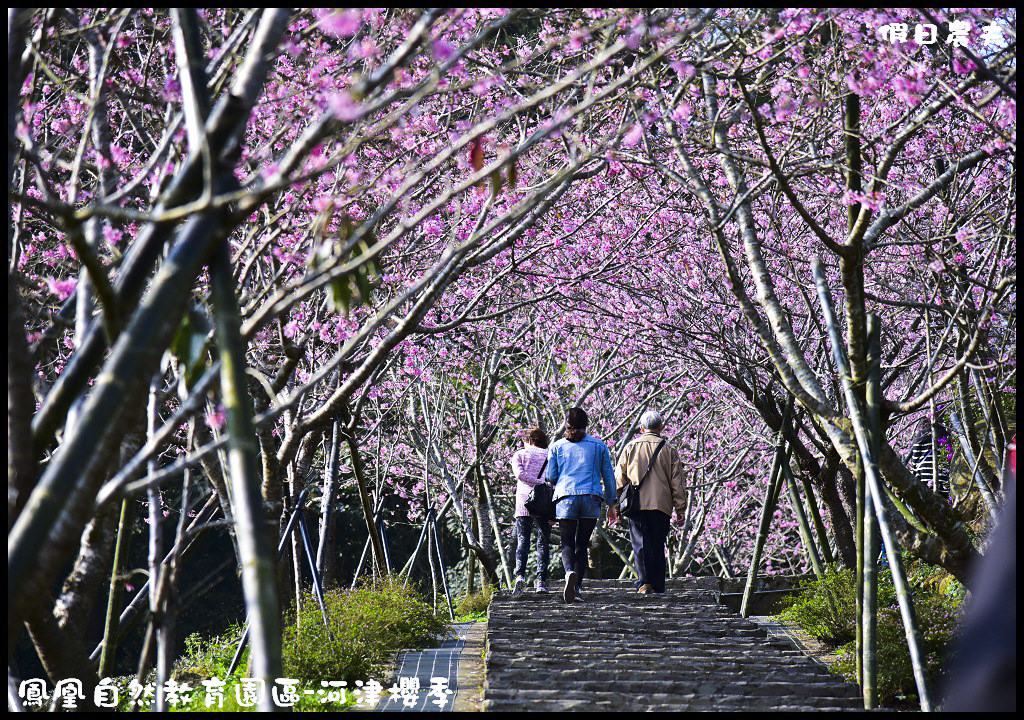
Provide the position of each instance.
(575, 543)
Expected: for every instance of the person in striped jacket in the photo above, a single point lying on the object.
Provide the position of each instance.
(921, 460)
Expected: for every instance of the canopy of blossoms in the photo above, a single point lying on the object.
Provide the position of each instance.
(251, 252)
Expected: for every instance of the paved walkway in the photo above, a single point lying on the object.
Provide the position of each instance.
(621, 651)
(458, 660)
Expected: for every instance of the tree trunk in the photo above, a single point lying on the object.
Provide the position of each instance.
(61, 654)
(86, 579)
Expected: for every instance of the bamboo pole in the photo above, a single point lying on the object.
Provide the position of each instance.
(992, 429)
(767, 508)
(318, 588)
(975, 465)
(384, 542)
(858, 475)
(905, 511)
(430, 563)
(874, 487)
(377, 554)
(426, 518)
(819, 524)
(116, 588)
(294, 550)
(259, 576)
(440, 561)
(869, 615)
(805, 529)
(628, 566)
(726, 569)
(156, 568)
(993, 415)
(362, 561)
(128, 615)
(330, 483)
(500, 546)
(412, 558)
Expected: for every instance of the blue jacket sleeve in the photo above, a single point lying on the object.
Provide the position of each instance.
(552, 466)
(608, 475)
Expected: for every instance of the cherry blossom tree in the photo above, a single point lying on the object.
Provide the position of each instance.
(254, 251)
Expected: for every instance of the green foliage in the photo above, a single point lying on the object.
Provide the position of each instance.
(827, 610)
(473, 608)
(189, 346)
(937, 619)
(368, 625)
(338, 250)
(206, 659)
(211, 658)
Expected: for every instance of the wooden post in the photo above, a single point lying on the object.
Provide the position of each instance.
(873, 484)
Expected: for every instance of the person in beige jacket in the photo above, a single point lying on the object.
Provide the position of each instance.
(662, 491)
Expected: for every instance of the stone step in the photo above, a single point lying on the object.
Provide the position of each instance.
(656, 669)
(695, 650)
(660, 682)
(622, 651)
(616, 701)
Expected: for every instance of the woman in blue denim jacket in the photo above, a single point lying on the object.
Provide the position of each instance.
(581, 468)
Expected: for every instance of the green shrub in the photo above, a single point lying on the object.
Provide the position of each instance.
(827, 610)
(937, 623)
(211, 658)
(368, 625)
(206, 659)
(472, 608)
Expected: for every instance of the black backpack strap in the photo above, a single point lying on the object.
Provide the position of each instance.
(650, 465)
(542, 467)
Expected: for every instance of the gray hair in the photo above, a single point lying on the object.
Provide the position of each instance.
(652, 420)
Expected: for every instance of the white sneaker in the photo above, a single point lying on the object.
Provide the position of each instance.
(571, 580)
(519, 587)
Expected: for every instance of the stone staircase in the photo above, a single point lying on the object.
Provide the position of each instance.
(621, 651)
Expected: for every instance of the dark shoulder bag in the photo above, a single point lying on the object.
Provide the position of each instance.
(629, 494)
(541, 502)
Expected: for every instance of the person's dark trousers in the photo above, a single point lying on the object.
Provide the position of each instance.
(575, 543)
(647, 532)
(524, 530)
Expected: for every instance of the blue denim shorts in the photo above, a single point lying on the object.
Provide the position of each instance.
(573, 507)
